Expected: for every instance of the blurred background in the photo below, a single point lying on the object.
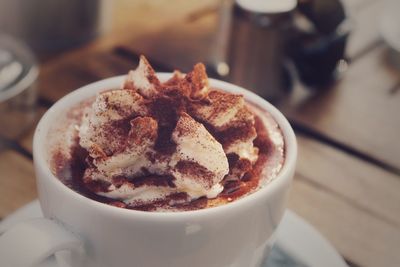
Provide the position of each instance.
(331, 66)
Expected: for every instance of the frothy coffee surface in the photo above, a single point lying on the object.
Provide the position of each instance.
(171, 146)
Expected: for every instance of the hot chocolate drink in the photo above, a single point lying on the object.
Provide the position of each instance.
(166, 146)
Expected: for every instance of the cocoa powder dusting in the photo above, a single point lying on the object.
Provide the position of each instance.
(166, 109)
(178, 97)
(262, 141)
(154, 180)
(70, 172)
(195, 171)
(235, 133)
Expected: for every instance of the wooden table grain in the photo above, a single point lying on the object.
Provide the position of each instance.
(347, 182)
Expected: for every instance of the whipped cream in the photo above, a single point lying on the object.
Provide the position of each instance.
(226, 111)
(126, 131)
(199, 163)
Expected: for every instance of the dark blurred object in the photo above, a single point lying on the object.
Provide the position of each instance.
(317, 47)
(18, 73)
(325, 15)
(48, 25)
(256, 56)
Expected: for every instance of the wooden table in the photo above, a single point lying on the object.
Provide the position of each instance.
(347, 182)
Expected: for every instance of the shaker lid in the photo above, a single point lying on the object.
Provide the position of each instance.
(268, 6)
(18, 68)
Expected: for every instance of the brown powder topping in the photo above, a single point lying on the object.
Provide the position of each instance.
(142, 129)
(196, 82)
(154, 180)
(237, 166)
(154, 121)
(176, 78)
(218, 103)
(143, 79)
(195, 171)
(165, 110)
(236, 133)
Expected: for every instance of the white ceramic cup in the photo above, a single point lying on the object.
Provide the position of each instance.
(81, 231)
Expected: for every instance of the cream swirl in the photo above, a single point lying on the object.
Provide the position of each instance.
(148, 140)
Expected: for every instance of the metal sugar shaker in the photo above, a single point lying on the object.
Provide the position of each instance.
(256, 46)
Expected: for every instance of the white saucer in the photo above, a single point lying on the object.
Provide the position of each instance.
(298, 243)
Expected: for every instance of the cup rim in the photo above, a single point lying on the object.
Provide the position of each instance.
(92, 89)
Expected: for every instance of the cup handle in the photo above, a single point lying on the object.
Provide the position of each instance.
(34, 241)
